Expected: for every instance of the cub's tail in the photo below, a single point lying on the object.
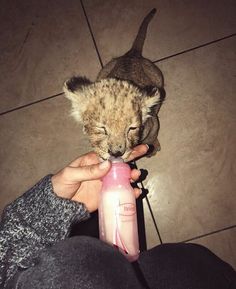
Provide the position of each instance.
(137, 46)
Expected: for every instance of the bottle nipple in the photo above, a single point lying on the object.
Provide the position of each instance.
(116, 160)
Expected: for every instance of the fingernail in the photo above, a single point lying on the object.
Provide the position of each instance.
(147, 146)
(104, 165)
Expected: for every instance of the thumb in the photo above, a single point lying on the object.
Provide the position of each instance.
(91, 172)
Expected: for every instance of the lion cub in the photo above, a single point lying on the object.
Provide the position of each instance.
(119, 110)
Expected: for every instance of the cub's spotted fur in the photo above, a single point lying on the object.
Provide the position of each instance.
(120, 109)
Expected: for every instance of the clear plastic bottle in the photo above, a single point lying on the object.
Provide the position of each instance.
(117, 211)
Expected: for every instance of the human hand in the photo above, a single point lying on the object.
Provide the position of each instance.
(81, 180)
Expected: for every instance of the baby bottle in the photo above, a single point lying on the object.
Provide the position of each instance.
(117, 211)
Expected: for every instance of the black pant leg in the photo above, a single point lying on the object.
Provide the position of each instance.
(185, 266)
(78, 263)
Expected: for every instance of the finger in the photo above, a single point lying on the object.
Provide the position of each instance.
(88, 173)
(86, 159)
(135, 174)
(137, 152)
(137, 192)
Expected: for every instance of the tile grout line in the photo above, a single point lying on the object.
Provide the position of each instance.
(153, 218)
(159, 60)
(145, 192)
(55, 95)
(209, 234)
(195, 48)
(91, 33)
(31, 103)
(100, 60)
(101, 63)
(162, 59)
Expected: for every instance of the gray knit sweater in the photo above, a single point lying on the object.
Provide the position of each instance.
(32, 222)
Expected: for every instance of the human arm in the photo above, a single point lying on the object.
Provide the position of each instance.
(32, 222)
(46, 212)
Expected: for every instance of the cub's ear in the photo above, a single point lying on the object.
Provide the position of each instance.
(75, 86)
(150, 102)
(77, 90)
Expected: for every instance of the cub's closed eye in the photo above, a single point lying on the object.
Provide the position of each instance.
(133, 127)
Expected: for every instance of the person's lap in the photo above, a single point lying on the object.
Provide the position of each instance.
(185, 266)
(84, 262)
(78, 262)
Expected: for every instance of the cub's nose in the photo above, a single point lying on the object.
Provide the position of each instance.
(115, 154)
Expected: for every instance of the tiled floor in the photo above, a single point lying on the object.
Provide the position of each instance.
(192, 180)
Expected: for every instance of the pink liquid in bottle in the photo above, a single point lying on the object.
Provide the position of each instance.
(117, 211)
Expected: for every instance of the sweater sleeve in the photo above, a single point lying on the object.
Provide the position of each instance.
(32, 222)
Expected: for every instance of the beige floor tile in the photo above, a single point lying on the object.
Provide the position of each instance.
(222, 244)
(35, 141)
(192, 180)
(42, 43)
(178, 25)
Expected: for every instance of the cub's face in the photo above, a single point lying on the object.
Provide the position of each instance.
(113, 113)
(113, 127)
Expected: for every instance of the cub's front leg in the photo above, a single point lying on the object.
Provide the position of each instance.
(150, 135)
